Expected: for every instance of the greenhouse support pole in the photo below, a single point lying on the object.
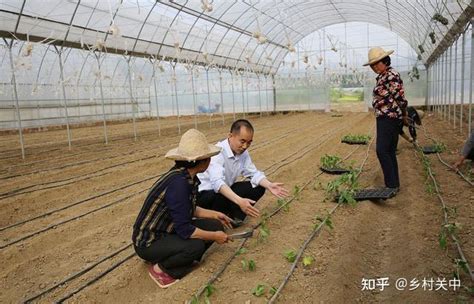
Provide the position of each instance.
(274, 93)
(470, 77)
(233, 95)
(222, 96)
(243, 93)
(194, 98)
(97, 57)
(450, 81)
(175, 80)
(61, 77)
(266, 93)
(433, 87)
(441, 85)
(208, 97)
(247, 90)
(156, 99)
(455, 80)
(427, 89)
(462, 82)
(446, 79)
(149, 102)
(259, 95)
(131, 98)
(15, 96)
(438, 85)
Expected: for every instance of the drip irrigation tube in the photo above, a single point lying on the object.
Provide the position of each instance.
(216, 274)
(312, 235)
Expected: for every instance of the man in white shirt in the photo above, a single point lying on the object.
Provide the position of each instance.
(220, 191)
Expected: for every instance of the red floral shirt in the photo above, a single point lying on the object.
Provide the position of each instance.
(389, 95)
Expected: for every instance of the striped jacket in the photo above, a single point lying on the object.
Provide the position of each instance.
(168, 208)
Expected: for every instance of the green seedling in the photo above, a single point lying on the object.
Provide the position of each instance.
(307, 261)
(209, 290)
(296, 191)
(259, 290)
(248, 264)
(439, 147)
(273, 290)
(447, 229)
(290, 255)
(330, 161)
(442, 240)
(364, 139)
(327, 221)
(344, 187)
(264, 231)
(283, 204)
(461, 264)
(241, 251)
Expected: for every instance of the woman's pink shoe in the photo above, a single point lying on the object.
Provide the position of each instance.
(161, 278)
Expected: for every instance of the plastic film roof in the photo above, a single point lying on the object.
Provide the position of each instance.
(243, 34)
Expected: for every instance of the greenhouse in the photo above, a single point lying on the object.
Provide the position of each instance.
(357, 116)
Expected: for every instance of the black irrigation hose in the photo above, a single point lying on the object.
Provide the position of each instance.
(93, 197)
(89, 141)
(77, 274)
(311, 236)
(81, 163)
(104, 273)
(128, 257)
(16, 153)
(53, 226)
(454, 169)
(78, 202)
(446, 222)
(63, 182)
(216, 274)
(443, 162)
(74, 154)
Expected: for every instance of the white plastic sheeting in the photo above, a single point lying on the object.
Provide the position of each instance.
(233, 34)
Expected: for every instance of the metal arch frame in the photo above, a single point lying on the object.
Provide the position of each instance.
(262, 11)
(416, 7)
(180, 9)
(192, 27)
(212, 28)
(170, 26)
(277, 66)
(225, 35)
(265, 48)
(428, 23)
(194, 13)
(396, 31)
(118, 51)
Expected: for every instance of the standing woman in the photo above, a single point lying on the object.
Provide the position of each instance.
(390, 110)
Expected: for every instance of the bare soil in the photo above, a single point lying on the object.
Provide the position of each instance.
(78, 207)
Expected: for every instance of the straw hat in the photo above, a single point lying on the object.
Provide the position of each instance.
(376, 54)
(192, 146)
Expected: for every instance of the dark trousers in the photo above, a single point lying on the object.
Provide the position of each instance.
(471, 155)
(174, 255)
(387, 140)
(216, 201)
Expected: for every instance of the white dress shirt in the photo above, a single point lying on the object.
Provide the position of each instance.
(226, 167)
